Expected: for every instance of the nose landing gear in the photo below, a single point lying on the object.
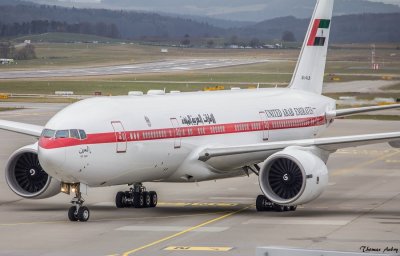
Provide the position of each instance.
(136, 197)
(78, 212)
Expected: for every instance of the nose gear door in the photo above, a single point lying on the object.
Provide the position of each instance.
(120, 136)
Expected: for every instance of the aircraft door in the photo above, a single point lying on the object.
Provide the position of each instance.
(176, 132)
(264, 125)
(120, 136)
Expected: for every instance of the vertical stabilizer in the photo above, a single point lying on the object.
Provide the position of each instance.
(310, 68)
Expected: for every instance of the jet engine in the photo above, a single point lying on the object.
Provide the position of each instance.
(26, 177)
(293, 176)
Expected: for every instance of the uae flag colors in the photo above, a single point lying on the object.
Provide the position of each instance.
(319, 31)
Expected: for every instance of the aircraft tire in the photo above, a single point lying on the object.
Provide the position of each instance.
(153, 199)
(83, 214)
(119, 200)
(71, 214)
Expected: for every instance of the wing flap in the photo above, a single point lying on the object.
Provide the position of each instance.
(23, 128)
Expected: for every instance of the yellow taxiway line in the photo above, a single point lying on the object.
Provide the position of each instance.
(183, 232)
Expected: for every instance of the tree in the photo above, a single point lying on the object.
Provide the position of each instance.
(6, 50)
(186, 40)
(26, 53)
(234, 40)
(255, 42)
(210, 43)
(288, 36)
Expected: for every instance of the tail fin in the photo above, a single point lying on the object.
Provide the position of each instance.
(309, 72)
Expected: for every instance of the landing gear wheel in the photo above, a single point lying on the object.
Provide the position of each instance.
(263, 203)
(119, 200)
(138, 200)
(83, 214)
(153, 198)
(279, 208)
(293, 208)
(147, 199)
(71, 214)
(78, 211)
(260, 203)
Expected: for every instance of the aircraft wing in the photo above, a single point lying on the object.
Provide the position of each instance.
(353, 111)
(23, 128)
(329, 144)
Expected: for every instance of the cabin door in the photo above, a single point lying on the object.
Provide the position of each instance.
(176, 132)
(264, 125)
(120, 136)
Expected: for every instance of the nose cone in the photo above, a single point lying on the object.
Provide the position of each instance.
(51, 156)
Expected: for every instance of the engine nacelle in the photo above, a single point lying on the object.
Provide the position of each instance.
(26, 177)
(293, 176)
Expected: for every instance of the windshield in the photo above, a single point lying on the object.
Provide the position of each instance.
(62, 134)
(47, 133)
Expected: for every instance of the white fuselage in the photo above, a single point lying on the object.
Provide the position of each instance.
(158, 137)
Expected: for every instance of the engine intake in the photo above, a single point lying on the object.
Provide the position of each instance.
(293, 176)
(26, 177)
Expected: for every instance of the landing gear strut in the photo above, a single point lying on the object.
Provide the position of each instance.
(136, 197)
(264, 204)
(78, 212)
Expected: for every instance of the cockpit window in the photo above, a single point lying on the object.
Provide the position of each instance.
(74, 134)
(83, 134)
(47, 133)
(62, 134)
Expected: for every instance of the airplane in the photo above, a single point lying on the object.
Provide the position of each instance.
(193, 137)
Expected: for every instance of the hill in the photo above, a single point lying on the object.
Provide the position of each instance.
(21, 19)
(249, 10)
(362, 28)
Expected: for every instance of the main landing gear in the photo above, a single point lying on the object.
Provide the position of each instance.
(136, 197)
(264, 204)
(78, 212)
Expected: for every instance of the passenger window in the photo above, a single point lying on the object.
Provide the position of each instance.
(62, 134)
(74, 134)
(47, 133)
(82, 134)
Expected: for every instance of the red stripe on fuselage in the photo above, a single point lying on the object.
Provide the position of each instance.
(183, 132)
(313, 33)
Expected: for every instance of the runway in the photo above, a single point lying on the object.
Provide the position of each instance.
(150, 67)
(360, 207)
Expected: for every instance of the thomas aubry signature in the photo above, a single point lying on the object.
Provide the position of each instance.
(387, 249)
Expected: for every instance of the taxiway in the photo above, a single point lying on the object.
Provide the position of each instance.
(150, 67)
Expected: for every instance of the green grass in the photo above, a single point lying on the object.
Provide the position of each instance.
(65, 38)
(392, 87)
(7, 109)
(106, 87)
